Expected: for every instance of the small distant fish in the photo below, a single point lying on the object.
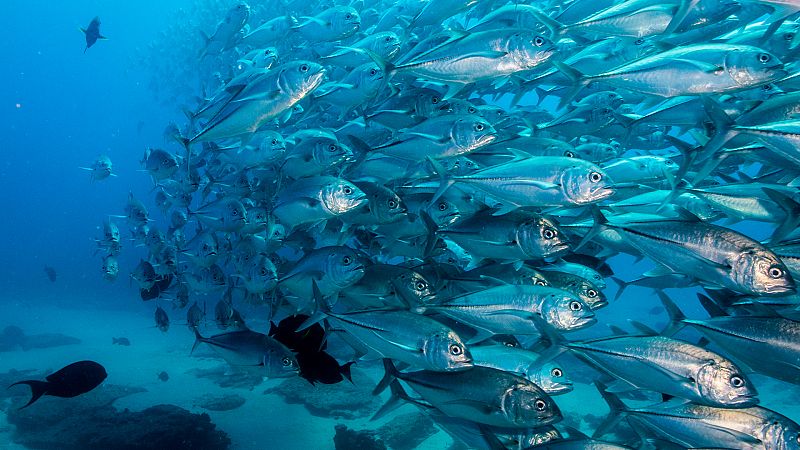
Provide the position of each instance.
(73, 380)
(194, 315)
(163, 376)
(92, 33)
(120, 341)
(51, 273)
(162, 320)
(101, 168)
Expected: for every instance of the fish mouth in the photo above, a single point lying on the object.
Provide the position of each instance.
(560, 388)
(583, 322)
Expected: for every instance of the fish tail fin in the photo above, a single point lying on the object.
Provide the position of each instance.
(38, 389)
(600, 223)
(431, 238)
(397, 392)
(621, 286)
(792, 209)
(676, 316)
(114, 341)
(444, 181)
(579, 81)
(322, 308)
(388, 377)
(198, 338)
(345, 371)
(618, 410)
(723, 126)
(711, 307)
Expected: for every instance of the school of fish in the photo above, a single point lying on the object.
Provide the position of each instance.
(438, 185)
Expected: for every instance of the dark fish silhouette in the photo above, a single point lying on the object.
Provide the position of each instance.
(51, 273)
(73, 380)
(163, 376)
(92, 33)
(162, 320)
(316, 365)
(161, 284)
(120, 341)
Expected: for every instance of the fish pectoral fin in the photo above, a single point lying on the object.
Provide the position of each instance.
(492, 54)
(267, 95)
(430, 137)
(620, 385)
(101, 37)
(744, 438)
(402, 346)
(481, 407)
(704, 66)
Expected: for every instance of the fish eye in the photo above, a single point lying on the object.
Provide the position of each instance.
(538, 41)
(556, 372)
(387, 39)
(767, 87)
(737, 381)
(434, 100)
(471, 110)
(639, 41)
(332, 148)
(347, 260)
(540, 283)
(775, 272)
(442, 206)
(569, 154)
(479, 127)
(263, 271)
(373, 71)
(274, 142)
(234, 212)
(549, 233)
(788, 36)
(392, 204)
(304, 68)
(286, 362)
(764, 58)
(591, 293)
(575, 306)
(540, 405)
(348, 16)
(348, 190)
(595, 177)
(420, 285)
(456, 350)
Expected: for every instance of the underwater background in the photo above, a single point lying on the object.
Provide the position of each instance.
(61, 108)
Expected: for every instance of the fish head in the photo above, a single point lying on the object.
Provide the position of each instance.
(264, 274)
(266, 58)
(238, 14)
(525, 404)
(725, 385)
(386, 45)
(446, 351)
(428, 103)
(549, 377)
(472, 132)
(530, 49)
(279, 361)
(345, 21)
(414, 286)
(298, 78)
(272, 146)
(762, 273)
(750, 66)
(781, 434)
(566, 311)
(341, 196)
(443, 212)
(586, 184)
(541, 238)
(328, 151)
(344, 266)
(386, 205)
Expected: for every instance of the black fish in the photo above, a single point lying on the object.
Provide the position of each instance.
(51, 273)
(309, 345)
(163, 376)
(322, 367)
(120, 341)
(92, 33)
(161, 284)
(311, 339)
(75, 379)
(162, 320)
